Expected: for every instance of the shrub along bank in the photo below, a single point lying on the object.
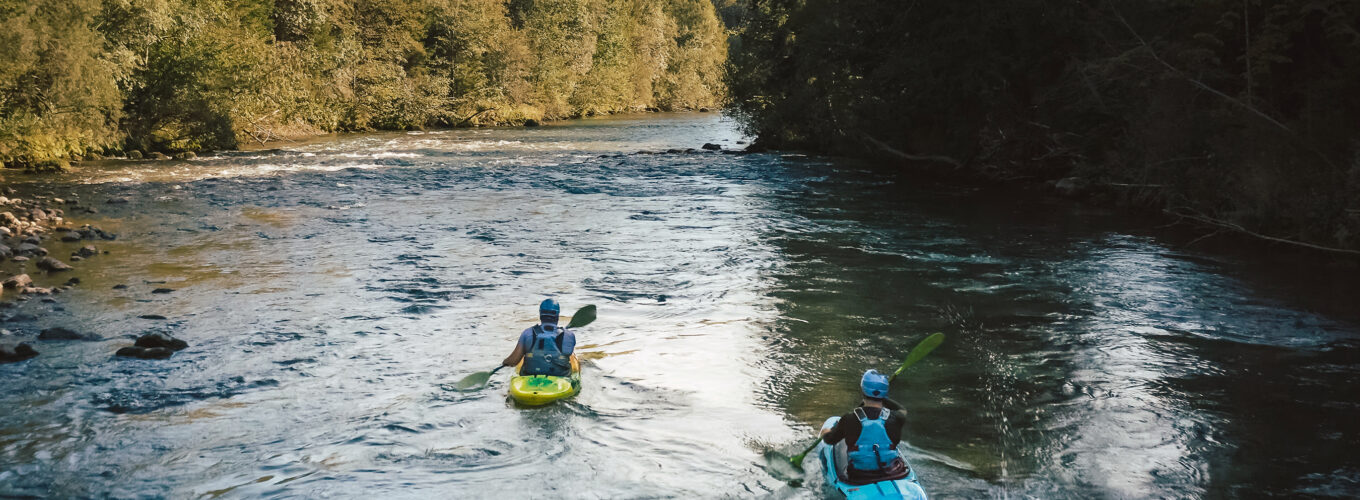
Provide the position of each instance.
(88, 77)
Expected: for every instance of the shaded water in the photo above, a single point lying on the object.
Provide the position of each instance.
(328, 288)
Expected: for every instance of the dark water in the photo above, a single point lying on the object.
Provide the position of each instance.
(328, 288)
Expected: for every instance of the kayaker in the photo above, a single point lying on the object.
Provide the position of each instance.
(871, 433)
(545, 348)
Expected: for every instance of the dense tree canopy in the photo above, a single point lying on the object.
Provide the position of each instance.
(88, 76)
(1243, 110)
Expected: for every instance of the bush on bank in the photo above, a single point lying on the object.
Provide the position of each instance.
(81, 77)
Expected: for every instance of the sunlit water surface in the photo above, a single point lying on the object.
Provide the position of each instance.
(328, 288)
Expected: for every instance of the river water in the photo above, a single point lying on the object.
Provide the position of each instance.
(329, 288)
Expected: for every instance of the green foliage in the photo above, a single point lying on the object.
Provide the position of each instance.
(58, 91)
(1244, 110)
(173, 75)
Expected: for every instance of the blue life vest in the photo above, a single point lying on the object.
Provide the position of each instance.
(873, 450)
(544, 356)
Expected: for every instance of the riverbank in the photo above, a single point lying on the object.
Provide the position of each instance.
(34, 239)
(90, 78)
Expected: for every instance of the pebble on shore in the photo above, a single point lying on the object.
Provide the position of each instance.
(24, 225)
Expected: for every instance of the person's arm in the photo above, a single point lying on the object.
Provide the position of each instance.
(836, 433)
(515, 356)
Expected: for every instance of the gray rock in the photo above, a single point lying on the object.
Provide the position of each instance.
(163, 290)
(62, 333)
(116, 201)
(70, 237)
(19, 352)
(134, 155)
(30, 250)
(187, 155)
(87, 251)
(157, 155)
(52, 265)
(158, 339)
(20, 258)
(712, 147)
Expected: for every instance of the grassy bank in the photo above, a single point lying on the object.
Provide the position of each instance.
(98, 77)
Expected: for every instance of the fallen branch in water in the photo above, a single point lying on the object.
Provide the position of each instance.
(474, 115)
(895, 152)
(1186, 213)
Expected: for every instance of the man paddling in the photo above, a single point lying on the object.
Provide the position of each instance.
(871, 433)
(545, 348)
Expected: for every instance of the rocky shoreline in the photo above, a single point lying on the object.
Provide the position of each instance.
(27, 226)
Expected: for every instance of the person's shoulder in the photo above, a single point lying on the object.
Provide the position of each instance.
(899, 416)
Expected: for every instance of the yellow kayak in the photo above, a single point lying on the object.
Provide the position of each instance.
(536, 390)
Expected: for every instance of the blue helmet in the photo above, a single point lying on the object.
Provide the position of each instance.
(874, 385)
(548, 311)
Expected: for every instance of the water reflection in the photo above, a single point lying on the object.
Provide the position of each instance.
(1068, 371)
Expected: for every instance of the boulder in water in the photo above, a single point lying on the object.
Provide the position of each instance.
(19, 352)
(87, 251)
(158, 339)
(30, 250)
(63, 333)
(52, 265)
(712, 147)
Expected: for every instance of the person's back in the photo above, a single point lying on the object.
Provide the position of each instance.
(871, 433)
(548, 350)
(545, 348)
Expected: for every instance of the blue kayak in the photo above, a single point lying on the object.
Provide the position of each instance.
(906, 488)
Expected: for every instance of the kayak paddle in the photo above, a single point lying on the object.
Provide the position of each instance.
(920, 351)
(476, 381)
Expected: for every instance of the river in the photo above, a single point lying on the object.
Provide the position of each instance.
(328, 288)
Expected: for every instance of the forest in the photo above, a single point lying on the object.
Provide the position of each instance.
(81, 78)
(1239, 115)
